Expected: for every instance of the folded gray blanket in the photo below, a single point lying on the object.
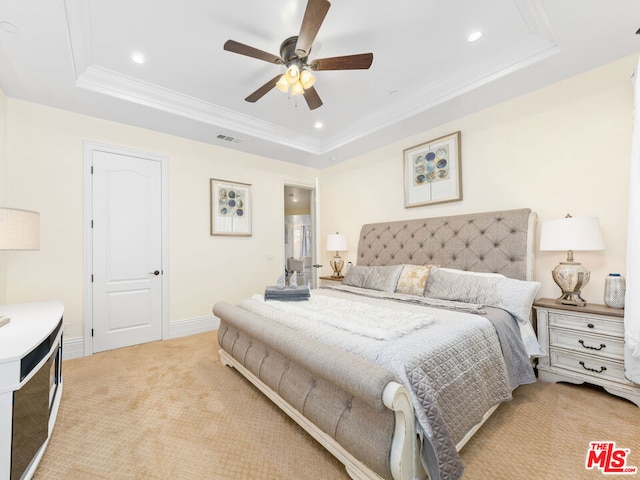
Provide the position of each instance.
(287, 293)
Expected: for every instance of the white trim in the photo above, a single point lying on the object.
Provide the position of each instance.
(74, 347)
(191, 326)
(108, 82)
(88, 149)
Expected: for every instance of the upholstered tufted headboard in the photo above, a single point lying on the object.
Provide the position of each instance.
(501, 242)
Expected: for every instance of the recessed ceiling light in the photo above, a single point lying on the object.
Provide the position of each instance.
(474, 36)
(137, 57)
(318, 125)
(9, 27)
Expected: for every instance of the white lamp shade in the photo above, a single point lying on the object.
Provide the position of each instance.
(297, 89)
(292, 74)
(307, 79)
(19, 229)
(573, 233)
(337, 242)
(283, 84)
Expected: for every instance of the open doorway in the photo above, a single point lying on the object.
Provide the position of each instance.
(299, 236)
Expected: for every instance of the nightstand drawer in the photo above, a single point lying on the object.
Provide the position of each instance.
(587, 323)
(597, 367)
(585, 342)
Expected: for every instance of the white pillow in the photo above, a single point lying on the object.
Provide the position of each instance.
(468, 272)
(514, 296)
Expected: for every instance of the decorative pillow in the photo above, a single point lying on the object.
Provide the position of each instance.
(384, 278)
(356, 276)
(413, 279)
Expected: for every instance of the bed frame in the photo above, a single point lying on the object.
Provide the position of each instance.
(355, 409)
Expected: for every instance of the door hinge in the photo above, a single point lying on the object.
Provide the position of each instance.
(92, 332)
(92, 278)
(91, 223)
(91, 169)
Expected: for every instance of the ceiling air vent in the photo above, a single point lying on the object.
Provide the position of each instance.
(227, 138)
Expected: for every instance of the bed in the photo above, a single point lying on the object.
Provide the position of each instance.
(397, 368)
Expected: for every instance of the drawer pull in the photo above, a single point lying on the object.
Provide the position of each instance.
(602, 345)
(602, 369)
(590, 325)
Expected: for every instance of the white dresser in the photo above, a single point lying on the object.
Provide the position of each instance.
(30, 384)
(584, 344)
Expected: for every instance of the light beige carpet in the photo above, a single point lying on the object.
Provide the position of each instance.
(170, 410)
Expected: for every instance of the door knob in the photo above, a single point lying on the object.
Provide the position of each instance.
(155, 272)
(316, 266)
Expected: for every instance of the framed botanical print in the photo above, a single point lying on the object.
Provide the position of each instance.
(230, 208)
(432, 172)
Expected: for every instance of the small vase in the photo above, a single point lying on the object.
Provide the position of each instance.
(614, 290)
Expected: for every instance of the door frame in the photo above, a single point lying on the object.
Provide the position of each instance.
(315, 224)
(87, 309)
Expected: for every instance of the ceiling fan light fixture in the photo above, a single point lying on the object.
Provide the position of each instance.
(307, 79)
(297, 88)
(283, 84)
(293, 74)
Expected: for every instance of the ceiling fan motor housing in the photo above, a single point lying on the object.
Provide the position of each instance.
(288, 53)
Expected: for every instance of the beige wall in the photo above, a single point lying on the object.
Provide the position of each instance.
(561, 149)
(45, 173)
(3, 183)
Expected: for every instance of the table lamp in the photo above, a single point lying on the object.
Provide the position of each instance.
(571, 234)
(337, 242)
(19, 230)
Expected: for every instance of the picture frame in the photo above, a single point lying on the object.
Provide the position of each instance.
(432, 172)
(230, 208)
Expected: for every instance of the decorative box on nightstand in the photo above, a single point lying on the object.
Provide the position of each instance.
(584, 344)
(330, 280)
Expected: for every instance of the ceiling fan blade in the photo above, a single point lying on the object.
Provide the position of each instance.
(312, 98)
(242, 49)
(361, 61)
(260, 92)
(311, 22)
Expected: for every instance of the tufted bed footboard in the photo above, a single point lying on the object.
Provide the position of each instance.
(355, 409)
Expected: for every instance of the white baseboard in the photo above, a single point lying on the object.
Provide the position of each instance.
(74, 347)
(191, 326)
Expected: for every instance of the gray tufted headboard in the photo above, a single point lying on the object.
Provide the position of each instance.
(500, 242)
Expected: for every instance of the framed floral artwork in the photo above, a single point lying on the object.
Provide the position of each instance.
(432, 172)
(230, 208)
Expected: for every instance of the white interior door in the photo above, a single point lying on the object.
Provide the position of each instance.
(127, 250)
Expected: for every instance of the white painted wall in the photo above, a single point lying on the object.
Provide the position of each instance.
(564, 148)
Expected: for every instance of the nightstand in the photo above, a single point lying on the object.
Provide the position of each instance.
(329, 280)
(584, 344)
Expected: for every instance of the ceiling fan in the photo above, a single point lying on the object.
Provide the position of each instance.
(294, 53)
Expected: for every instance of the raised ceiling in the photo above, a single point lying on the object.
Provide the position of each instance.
(76, 55)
